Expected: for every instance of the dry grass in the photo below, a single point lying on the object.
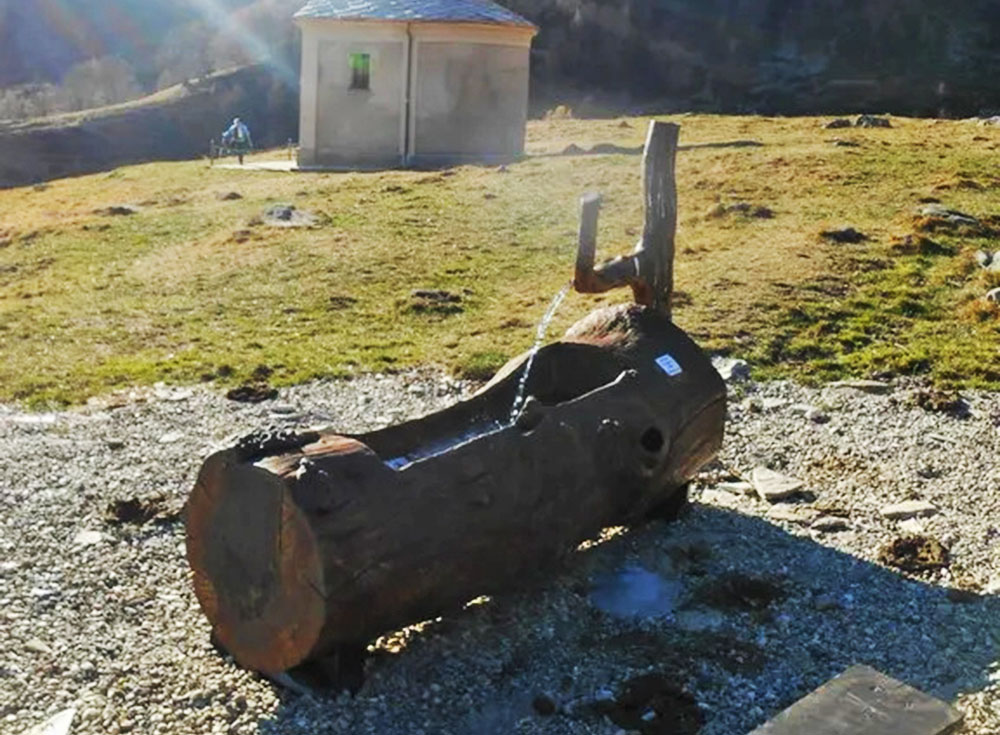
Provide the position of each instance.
(191, 285)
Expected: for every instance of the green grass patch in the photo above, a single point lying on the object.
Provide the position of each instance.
(910, 318)
(194, 288)
(481, 365)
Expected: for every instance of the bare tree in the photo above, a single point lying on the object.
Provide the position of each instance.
(99, 82)
(259, 32)
(30, 100)
(184, 54)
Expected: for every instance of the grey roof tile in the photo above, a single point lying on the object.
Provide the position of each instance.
(467, 11)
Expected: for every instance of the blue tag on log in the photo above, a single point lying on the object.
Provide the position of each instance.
(669, 365)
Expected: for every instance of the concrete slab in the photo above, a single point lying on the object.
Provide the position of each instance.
(863, 701)
(283, 166)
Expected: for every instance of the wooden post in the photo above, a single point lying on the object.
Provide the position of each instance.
(660, 196)
(650, 269)
(590, 210)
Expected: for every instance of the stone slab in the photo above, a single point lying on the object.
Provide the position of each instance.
(804, 516)
(863, 701)
(908, 509)
(773, 486)
(866, 386)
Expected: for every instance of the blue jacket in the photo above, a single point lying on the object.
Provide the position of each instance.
(239, 133)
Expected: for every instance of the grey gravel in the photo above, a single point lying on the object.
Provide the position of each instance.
(111, 627)
(731, 368)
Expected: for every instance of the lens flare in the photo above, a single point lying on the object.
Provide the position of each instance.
(225, 21)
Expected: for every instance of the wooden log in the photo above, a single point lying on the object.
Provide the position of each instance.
(302, 543)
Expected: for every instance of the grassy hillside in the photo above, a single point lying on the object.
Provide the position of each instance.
(175, 123)
(194, 287)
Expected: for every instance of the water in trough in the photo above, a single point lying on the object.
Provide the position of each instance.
(439, 447)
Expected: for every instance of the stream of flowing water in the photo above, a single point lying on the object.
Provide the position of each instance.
(543, 328)
(441, 446)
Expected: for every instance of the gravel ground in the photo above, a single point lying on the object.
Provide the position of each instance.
(747, 605)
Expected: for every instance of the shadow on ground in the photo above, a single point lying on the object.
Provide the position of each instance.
(612, 148)
(762, 618)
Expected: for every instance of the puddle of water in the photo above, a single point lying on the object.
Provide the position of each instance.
(635, 592)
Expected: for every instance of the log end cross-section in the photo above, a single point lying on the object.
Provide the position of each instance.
(257, 571)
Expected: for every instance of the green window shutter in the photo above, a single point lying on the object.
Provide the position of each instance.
(361, 70)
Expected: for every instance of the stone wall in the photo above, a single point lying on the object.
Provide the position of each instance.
(470, 100)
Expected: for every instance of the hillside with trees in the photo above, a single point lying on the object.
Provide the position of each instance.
(919, 57)
(66, 55)
(916, 57)
(908, 57)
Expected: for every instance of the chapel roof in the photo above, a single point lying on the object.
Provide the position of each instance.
(442, 11)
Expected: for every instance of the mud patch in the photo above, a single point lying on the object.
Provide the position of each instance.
(752, 211)
(241, 236)
(941, 401)
(914, 553)
(636, 647)
(396, 189)
(918, 245)
(844, 235)
(117, 210)
(739, 592)
(958, 182)
(341, 302)
(252, 393)
(139, 511)
(734, 655)
(435, 302)
(654, 704)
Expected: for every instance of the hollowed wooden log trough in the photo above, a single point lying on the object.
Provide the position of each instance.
(302, 543)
